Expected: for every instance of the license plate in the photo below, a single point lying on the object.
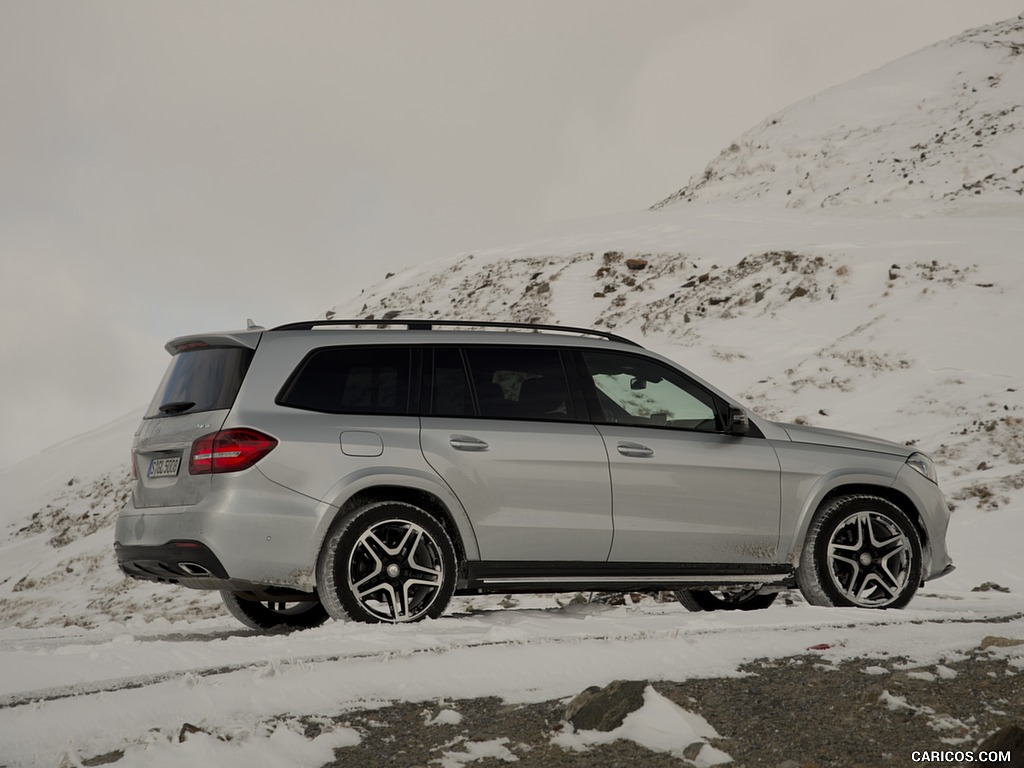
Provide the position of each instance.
(164, 467)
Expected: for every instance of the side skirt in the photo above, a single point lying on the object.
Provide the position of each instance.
(519, 577)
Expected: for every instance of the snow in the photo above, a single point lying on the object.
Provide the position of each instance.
(117, 685)
(446, 717)
(895, 313)
(478, 750)
(660, 725)
(280, 744)
(936, 128)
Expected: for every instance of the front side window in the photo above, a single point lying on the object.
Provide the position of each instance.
(519, 383)
(351, 380)
(637, 391)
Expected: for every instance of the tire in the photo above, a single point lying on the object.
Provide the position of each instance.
(706, 600)
(860, 551)
(387, 562)
(267, 616)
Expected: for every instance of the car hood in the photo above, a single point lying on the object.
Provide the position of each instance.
(800, 433)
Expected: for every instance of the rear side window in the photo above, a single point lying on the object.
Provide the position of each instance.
(520, 383)
(351, 380)
(450, 394)
(203, 379)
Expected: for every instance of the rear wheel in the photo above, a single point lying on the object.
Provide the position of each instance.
(860, 551)
(387, 562)
(267, 615)
(715, 600)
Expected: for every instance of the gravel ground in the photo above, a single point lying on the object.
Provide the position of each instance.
(796, 712)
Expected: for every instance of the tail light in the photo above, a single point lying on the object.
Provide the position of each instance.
(230, 450)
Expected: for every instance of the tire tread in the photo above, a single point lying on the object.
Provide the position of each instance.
(812, 582)
(327, 584)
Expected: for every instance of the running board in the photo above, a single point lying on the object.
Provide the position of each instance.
(555, 577)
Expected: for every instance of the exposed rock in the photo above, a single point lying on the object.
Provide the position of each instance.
(188, 729)
(105, 759)
(990, 586)
(604, 709)
(693, 750)
(995, 641)
(636, 263)
(1009, 739)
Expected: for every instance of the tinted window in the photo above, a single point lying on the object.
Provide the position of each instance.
(519, 383)
(351, 380)
(204, 379)
(450, 395)
(642, 392)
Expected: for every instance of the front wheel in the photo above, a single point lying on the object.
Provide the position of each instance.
(860, 551)
(387, 562)
(707, 600)
(267, 615)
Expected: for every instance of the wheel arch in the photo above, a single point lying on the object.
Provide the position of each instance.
(418, 497)
(890, 494)
(461, 536)
(887, 492)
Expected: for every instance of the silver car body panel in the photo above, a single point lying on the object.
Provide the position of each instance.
(533, 490)
(801, 433)
(249, 339)
(259, 530)
(514, 491)
(692, 496)
(171, 437)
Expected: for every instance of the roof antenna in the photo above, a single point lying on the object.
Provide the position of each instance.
(249, 324)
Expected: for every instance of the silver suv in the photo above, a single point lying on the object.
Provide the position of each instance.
(352, 470)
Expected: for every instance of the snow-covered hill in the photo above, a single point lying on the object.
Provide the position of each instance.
(853, 262)
(939, 128)
(902, 328)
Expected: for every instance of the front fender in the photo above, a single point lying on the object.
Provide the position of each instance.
(809, 476)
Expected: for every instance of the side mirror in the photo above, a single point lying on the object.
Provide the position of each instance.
(637, 383)
(736, 422)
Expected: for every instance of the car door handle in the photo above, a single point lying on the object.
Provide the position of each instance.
(466, 443)
(635, 450)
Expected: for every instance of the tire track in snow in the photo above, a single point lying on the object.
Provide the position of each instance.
(114, 685)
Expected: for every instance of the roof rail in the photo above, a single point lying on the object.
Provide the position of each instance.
(426, 325)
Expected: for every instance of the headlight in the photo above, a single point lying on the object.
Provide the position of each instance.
(924, 465)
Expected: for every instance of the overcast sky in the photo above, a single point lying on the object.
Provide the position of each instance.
(173, 167)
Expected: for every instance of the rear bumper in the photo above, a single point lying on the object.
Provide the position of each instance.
(172, 563)
(193, 565)
(246, 530)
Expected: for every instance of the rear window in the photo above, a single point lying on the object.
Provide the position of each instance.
(205, 379)
(351, 380)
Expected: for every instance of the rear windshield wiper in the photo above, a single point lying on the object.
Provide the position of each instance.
(170, 409)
